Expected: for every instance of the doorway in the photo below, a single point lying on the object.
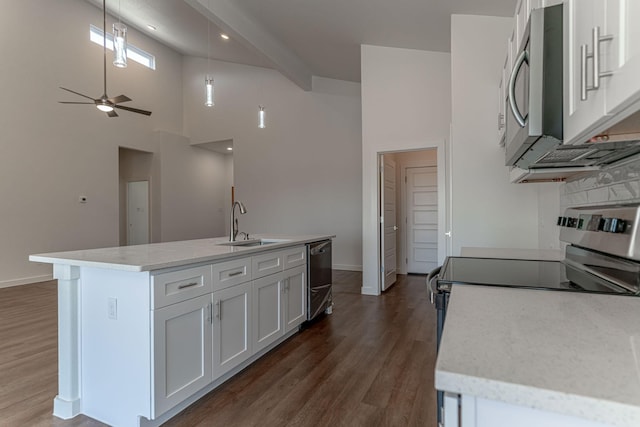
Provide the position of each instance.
(415, 219)
(137, 197)
(137, 212)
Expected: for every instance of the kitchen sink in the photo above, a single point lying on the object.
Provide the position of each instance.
(253, 242)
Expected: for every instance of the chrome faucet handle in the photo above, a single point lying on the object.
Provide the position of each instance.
(246, 235)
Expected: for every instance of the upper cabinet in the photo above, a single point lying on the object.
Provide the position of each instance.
(623, 56)
(602, 65)
(584, 104)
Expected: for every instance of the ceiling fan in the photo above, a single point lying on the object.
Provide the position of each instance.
(104, 103)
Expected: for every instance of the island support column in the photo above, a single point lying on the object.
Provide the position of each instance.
(67, 403)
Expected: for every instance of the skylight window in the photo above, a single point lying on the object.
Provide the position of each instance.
(133, 53)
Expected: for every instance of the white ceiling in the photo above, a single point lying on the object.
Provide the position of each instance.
(300, 38)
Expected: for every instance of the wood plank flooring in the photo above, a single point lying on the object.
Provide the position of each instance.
(370, 363)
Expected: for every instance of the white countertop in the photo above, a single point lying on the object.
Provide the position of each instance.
(513, 253)
(170, 254)
(571, 353)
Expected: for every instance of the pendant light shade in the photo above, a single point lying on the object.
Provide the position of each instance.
(119, 45)
(209, 92)
(261, 124)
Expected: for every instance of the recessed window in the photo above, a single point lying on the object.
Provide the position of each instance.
(133, 53)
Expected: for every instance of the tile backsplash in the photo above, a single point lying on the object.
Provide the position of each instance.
(618, 184)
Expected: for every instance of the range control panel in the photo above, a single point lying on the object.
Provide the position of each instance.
(611, 229)
(594, 222)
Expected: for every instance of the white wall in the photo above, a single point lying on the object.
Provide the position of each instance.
(53, 153)
(300, 175)
(487, 210)
(195, 190)
(406, 104)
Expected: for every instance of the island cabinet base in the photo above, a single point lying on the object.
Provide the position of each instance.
(470, 411)
(136, 348)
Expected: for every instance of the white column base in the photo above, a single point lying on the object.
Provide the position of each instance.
(65, 409)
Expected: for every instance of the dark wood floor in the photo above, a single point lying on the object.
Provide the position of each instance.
(370, 363)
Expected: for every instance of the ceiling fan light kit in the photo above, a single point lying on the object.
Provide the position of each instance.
(104, 103)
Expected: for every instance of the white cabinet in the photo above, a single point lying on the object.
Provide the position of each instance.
(268, 308)
(599, 85)
(182, 351)
(231, 327)
(280, 299)
(584, 107)
(623, 54)
(295, 300)
(470, 411)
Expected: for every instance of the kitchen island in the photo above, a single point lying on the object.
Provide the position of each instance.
(144, 331)
(538, 358)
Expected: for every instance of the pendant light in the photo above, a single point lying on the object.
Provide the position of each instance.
(119, 42)
(209, 100)
(261, 110)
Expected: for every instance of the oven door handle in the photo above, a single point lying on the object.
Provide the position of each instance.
(432, 279)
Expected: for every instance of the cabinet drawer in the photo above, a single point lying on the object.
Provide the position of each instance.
(294, 257)
(180, 285)
(231, 273)
(266, 264)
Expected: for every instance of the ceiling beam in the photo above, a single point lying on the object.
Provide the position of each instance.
(254, 36)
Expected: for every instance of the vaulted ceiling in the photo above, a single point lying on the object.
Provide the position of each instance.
(300, 38)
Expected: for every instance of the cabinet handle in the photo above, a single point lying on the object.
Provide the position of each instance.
(236, 273)
(218, 310)
(595, 57)
(210, 313)
(187, 285)
(597, 39)
(583, 72)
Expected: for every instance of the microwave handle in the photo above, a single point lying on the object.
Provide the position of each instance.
(522, 58)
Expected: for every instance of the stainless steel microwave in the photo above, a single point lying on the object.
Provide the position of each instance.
(534, 101)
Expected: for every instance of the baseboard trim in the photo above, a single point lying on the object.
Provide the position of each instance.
(25, 281)
(347, 267)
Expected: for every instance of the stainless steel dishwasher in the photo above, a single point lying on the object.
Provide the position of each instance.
(320, 279)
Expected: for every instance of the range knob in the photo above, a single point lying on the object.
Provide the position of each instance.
(612, 225)
(562, 221)
(572, 222)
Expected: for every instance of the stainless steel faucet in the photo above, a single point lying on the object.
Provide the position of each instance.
(233, 231)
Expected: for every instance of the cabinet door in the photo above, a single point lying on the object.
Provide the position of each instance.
(622, 54)
(523, 10)
(580, 115)
(295, 300)
(231, 327)
(267, 302)
(182, 351)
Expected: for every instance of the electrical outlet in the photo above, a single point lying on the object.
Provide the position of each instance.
(112, 308)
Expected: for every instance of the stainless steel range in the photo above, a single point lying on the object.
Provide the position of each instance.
(602, 257)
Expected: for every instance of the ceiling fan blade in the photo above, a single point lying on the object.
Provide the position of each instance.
(112, 113)
(77, 93)
(118, 99)
(69, 102)
(134, 110)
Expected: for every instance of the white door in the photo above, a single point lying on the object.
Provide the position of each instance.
(268, 318)
(231, 327)
(580, 115)
(295, 297)
(623, 87)
(422, 219)
(182, 351)
(137, 212)
(388, 225)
